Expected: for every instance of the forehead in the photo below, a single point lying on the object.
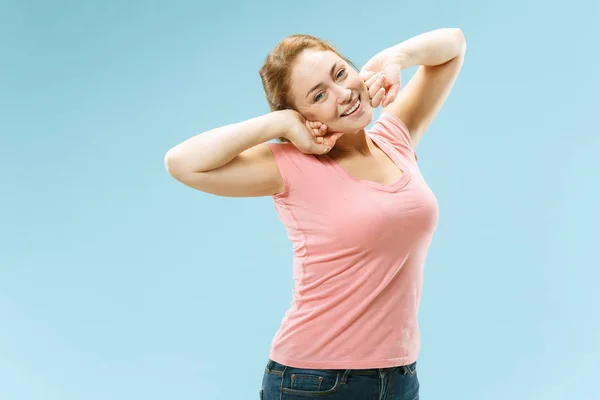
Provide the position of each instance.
(314, 59)
(312, 66)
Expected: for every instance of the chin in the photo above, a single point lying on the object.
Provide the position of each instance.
(352, 127)
(368, 115)
(363, 121)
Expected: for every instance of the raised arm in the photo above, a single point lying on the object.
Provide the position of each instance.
(439, 55)
(233, 160)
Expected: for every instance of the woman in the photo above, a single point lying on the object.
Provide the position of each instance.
(357, 210)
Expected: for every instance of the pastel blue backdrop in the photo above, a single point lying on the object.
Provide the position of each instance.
(117, 282)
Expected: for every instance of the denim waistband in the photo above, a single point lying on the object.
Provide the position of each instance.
(408, 369)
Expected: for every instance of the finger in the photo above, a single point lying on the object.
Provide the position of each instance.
(332, 138)
(320, 131)
(328, 143)
(373, 79)
(366, 74)
(374, 89)
(378, 83)
(391, 95)
(310, 126)
(377, 99)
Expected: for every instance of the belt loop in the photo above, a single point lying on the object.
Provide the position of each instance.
(345, 375)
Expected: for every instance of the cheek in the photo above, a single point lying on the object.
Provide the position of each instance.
(322, 112)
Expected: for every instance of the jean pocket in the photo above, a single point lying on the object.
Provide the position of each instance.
(310, 382)
(410, 369)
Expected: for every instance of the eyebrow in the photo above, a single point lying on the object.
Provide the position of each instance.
(321, 83)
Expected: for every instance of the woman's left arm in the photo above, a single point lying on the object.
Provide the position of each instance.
(439, 55)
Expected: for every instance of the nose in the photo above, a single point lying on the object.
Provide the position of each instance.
(345, 96)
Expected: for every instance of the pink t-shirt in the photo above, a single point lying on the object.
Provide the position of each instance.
(359, 248)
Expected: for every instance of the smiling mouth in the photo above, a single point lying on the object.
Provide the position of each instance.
(354, 107)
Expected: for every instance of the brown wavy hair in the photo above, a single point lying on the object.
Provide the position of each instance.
(276, 70)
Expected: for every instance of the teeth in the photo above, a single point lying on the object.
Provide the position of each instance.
(350, 111)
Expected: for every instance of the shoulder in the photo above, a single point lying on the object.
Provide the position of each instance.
(393, 130)
(287, 152)
(295, 167)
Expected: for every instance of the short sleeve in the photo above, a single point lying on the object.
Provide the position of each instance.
(294, 167)
(394, 131)
(281, 156)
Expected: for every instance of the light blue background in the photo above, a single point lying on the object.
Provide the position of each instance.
(118, 282)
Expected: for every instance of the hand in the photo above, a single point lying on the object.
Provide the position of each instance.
(310, 137)
(386, 64)
(375, 85)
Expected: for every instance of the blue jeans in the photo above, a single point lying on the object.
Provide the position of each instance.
(281, 382)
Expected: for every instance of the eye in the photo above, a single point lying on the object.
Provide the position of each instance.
(339, 75)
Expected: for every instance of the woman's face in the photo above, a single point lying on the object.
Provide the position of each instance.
(324, 88)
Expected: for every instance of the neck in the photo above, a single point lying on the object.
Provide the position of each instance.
(353, 144)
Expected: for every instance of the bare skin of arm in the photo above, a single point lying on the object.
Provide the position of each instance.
(235, 160)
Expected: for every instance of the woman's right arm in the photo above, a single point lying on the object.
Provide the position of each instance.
(233, 160)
